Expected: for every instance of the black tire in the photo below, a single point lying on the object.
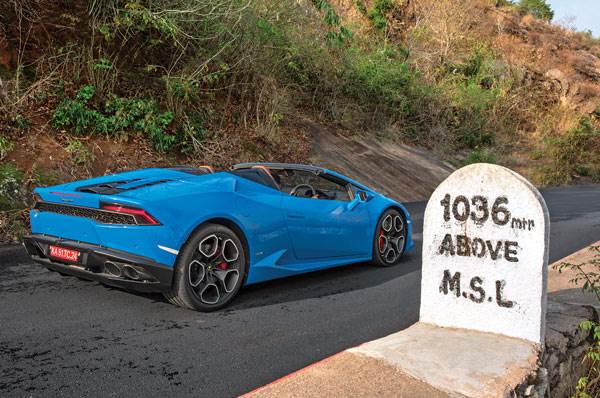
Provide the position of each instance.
(389, 241)
(199, 270)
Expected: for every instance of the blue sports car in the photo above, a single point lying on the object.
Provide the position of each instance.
(197, 236)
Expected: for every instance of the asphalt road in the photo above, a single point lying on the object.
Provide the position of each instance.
(66, 337)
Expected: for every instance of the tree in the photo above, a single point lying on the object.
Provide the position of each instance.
(537, 8)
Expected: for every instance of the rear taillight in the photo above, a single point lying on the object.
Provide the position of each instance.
(142, 217)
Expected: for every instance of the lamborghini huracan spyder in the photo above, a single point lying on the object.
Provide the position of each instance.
(198, 236)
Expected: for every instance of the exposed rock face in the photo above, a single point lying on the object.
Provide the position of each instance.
(558, 80)
(563, 361)
(399, 171)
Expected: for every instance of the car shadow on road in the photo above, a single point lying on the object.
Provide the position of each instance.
(315, 284)
(321, 283)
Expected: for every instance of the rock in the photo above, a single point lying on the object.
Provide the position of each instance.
(561, 79)
(564, 369)
(568, 326)
(552, 363)
(587, 64)
(576, 310)
(542, 384)
(580, 351)
(556, 340)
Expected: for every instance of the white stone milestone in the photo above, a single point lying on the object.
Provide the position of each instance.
(485, 254)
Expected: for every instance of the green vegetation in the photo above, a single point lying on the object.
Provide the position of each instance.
(277, 60)
(226, 80)
(360, 6)
(377, 14)
(117, 116)
(587, 276)
(537, 8)
(480, 156)
(12, 194)
(20, 122)
(45, 178)
(577, 152)
(80, 154)
(5, 147)
(338, 34)
(171, 71)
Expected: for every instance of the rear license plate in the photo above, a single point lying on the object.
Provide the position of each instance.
(63, 253)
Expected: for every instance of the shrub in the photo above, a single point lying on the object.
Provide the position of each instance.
(360, 6)
(480, 156)
(378, 77)
(5, 147)
(338, 33)
(576, 152)
(150, 65)
(80, 154)
(473, 90)
(537, 8)
(117, 116)
(20, 122)
(377, 14)
(45, 178)
(14, 225)
(191, 134)
(12, 195)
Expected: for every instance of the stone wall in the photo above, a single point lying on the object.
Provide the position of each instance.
(562, 362)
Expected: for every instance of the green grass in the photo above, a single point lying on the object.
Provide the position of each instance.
(480, 156)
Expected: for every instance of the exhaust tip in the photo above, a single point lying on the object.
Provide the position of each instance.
(113, 269)
(132, 273)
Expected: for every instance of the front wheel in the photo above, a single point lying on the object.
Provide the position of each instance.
(390, 238)
(210, 269)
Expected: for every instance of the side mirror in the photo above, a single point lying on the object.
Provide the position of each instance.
(359, 197)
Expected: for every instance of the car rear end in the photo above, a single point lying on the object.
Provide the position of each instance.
(92, 229)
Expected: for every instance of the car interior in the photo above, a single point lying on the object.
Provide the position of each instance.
(299, 183)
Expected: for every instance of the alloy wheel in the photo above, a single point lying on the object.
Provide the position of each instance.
(391, 238)
(214, 271)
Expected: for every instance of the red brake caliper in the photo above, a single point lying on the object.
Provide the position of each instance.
(222, 265)
(381, 241)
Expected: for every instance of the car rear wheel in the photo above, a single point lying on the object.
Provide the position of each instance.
(390, 238)
(210, 269)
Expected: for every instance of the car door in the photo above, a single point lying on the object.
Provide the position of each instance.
(327, 228)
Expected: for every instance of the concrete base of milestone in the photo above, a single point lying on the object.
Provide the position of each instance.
(421, 361)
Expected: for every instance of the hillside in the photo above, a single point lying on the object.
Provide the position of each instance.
(392, 92)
